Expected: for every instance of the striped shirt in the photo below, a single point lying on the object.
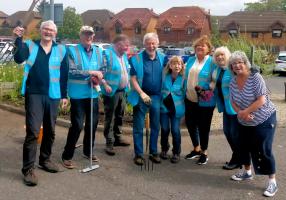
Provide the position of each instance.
(253, 88)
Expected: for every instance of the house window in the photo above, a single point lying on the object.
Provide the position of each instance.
(118, 28)
(138, 29)
(190, 30)
(233, 33)
(97, 28)
(167, 29)
(254, 34)
(277, 33)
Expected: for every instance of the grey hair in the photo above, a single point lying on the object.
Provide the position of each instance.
(239, 55)
(47, 23)
(224, 50)
(149, 36)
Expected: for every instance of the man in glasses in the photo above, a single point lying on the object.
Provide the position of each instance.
(85, 61)
(44, 85)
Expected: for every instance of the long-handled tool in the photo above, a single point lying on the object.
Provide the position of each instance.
(91, 166)
(147, 128)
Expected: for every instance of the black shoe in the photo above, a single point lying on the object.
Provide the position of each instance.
(121, 142)
(139, 160)
(192, 155)
(49, 166)
(164, 155)
(175, 158)
(109, 151)
(203, 159)
(230, 166)
(155, 158)
(30, 178)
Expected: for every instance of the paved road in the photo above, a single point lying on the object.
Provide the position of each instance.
(119, 179)
(276, 84)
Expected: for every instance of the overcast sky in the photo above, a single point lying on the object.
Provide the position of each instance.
(217, 7)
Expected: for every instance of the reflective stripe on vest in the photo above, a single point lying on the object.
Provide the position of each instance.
(79, 88)
(56, 57)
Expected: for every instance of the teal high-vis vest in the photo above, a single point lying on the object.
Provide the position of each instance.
(177, 90)
(113, 71)
(57, 54)
(204, 78)
(227, 76)
(80, 88)
(137, 62)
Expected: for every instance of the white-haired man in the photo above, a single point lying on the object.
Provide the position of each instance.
(44, 85)
(146, 79)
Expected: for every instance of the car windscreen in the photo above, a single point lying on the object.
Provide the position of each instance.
(175, 52)
(282, 58)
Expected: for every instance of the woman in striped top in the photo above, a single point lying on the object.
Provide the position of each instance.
(257, 121)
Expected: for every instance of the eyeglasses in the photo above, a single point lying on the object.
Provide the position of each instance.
(237, 63)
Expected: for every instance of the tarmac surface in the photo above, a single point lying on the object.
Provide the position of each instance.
(118, 178)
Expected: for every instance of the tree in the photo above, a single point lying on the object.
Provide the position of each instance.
(266, 5)
(71, 25)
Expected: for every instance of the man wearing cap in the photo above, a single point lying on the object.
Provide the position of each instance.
(116, 78)
(44, 84)
(85, 61)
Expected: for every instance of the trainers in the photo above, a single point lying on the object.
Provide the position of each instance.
(139, 160)
(241, 176)
(94, 158)
(203, 159)
(68, 164)
(271, 189)
(155, 158)
(109, 151)
(49, 166)
(120, 142)
(192, 155)
(175, 158)
(30, 178)
(164, 155)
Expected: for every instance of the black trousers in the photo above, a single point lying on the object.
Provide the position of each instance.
(114, 111)
(80, 110)
(40, 110)
(198, 121)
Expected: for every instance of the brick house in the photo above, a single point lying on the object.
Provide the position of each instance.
(263, 27)
(17, 19)
(182, 25)
(134, 22)
(97, 20)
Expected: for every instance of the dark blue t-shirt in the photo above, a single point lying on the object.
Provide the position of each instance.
(152, 77)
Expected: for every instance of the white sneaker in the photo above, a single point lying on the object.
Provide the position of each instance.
(241, 176)
(270, 190)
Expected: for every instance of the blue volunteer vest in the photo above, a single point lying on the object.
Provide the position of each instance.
(227, 76)
(80, 87)
(204, 78)
(177, 91)
(113, 70)
(57, 54)
(137, 62)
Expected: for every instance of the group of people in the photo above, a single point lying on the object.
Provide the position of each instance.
(225, 80)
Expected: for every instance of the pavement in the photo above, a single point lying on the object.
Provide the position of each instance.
(118, 178)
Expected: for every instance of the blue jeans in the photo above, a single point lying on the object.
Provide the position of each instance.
(230, 129)
(139, 112)
(167, 119)
(256, 143)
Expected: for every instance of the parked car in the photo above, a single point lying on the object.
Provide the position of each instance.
(176, 52)
(280, 63)
(103, 46)
(189, 51)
